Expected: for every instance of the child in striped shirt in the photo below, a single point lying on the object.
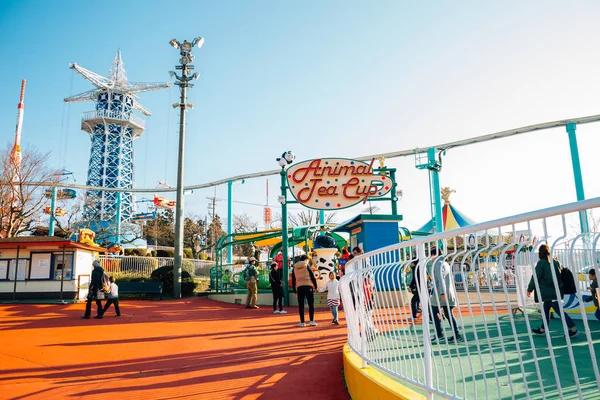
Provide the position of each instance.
(333, 296)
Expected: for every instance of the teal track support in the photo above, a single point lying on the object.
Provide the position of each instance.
(436, 198)
(229, 217)
(284, 239)
(571, 130)
(52, 209)
(119, 196)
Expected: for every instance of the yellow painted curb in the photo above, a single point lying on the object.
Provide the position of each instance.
(370, 384)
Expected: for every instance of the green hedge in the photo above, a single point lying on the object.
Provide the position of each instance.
(130, 277)
(165, 274)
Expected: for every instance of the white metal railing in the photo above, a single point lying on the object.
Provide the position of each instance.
(118, 115)
(487, 348)
(145, 265)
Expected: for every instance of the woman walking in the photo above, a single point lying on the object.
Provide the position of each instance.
(304, 284)
(547, 292)
(277, 288)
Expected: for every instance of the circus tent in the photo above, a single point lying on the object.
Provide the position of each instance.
(451, 219)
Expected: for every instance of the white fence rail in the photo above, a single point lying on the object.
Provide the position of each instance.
(481, 343)
(145, 265)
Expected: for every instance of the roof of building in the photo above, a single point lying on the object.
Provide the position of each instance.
(29, 241)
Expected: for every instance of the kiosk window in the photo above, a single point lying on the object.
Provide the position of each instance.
(21, 270)
(65, 266)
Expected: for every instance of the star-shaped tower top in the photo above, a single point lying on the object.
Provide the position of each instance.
(117, 82)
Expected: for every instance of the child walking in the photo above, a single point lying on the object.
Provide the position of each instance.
(333, 296)
(113, 298)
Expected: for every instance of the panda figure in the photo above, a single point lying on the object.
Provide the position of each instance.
(286, 158)
(324, 257)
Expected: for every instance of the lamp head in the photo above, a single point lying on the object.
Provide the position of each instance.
(172, 74)
(199, 42)
(174, 43)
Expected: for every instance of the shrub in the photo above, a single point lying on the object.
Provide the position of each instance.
(165, 275)
(187, 253)
(165, 253)
(189, 267)
(130, 277)
(153, 253)
(203, 256)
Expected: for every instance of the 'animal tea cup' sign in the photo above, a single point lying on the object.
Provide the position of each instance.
(336, 183)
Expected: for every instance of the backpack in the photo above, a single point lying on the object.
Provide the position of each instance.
(247, 275)
(105, 283)
(568, 281)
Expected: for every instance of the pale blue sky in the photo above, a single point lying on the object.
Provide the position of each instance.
(324, 79)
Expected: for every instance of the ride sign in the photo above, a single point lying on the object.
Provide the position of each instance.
(336, 183)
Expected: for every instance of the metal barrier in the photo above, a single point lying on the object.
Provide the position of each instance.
(145, 265)
(481, 343)
(228, 277)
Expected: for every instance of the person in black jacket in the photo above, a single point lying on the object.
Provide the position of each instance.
(414, 288)
(95, 287)
(275, 277)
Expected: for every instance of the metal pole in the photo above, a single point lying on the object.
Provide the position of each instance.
(62, 275)
(284, 240)
(179, 206)
(427, 362)
(322, 220)
(571, 130)
(229, 222)
(118, 219)
(16, 274)
(394, 195)
(52, 209)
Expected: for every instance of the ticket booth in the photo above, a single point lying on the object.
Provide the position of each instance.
(45, 267)
(371, 231)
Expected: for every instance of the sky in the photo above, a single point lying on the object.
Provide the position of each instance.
(323, 79)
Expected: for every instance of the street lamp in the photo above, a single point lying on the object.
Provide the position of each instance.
(183, 82)
(283, 161)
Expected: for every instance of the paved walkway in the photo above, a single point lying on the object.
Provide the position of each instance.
(188, 349)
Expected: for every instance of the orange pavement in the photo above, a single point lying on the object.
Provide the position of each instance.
(188, 349)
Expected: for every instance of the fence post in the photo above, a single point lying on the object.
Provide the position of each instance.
(424, 297)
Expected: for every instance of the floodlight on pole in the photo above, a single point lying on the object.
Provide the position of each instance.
(199, 42)
(183, 82)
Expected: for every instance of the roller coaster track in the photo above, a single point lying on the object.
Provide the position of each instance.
(394, 154)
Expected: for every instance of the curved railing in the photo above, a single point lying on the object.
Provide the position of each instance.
(116, 115)
(488, 348)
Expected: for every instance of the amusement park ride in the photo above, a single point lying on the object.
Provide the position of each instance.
(112, 127)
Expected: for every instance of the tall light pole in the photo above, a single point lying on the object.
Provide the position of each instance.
(183, 81)
(286, 159)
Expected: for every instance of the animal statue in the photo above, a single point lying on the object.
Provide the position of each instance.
(446, 192)
(324, 258)
(285, 159)
(86, 236)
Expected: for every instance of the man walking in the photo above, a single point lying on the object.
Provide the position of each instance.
(95, 291)
(251, 278)
(443, 298)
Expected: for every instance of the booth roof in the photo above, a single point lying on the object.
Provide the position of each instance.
(347, 226)
(26, 241)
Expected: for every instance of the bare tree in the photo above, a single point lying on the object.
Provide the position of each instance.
(309, 217)
(244, 223)
(21, 191)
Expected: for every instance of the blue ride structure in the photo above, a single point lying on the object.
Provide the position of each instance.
(112, 127)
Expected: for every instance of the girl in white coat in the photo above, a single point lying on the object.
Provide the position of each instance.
(333, 296)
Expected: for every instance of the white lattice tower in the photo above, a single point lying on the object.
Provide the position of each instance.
(112, 127)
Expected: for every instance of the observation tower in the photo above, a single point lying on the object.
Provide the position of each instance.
(112, 127)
